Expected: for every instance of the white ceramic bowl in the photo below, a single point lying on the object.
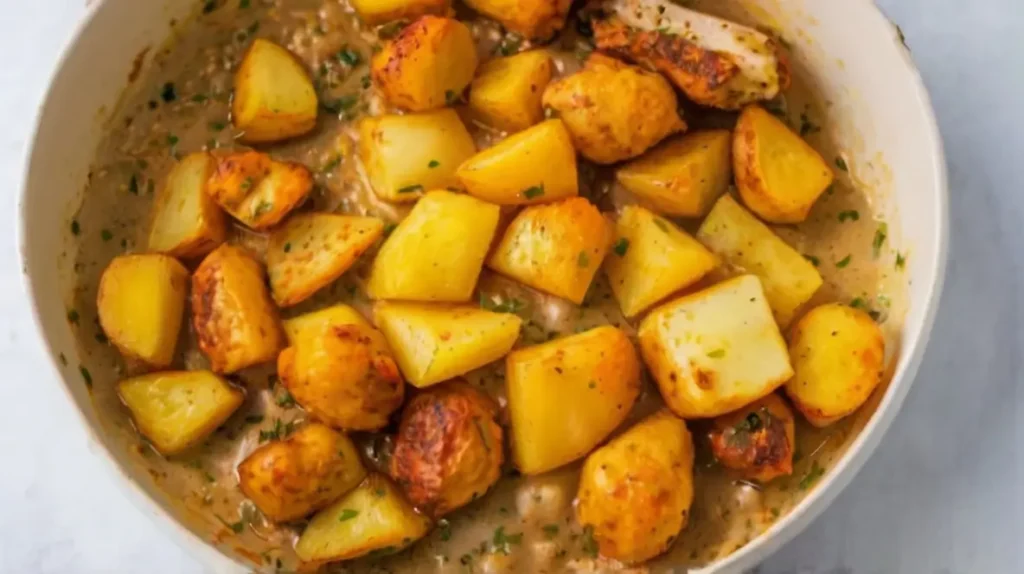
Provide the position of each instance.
(880, 117)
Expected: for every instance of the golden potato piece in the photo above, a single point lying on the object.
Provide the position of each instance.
(507, 91)
(434, 343)
(427, 65)
(383, 11)
(176, 410)
(556, 248)
(716, 350)
(344, 376)
(536, 19)
(373, 517)
(274, 96)
(407, 155)
(683, 176)
(651, 259)
(234, 319)
(838, 355)
(743, 242)
(290, 478)
(186, 222)
(257, 190)
(568, 395)
(437, 252)
(449, 448)
(141, 300)
(758, 440)
(537, 165)
(312, 324)
(636, 491)
(614, 111)
(778, 174)
(311, 250)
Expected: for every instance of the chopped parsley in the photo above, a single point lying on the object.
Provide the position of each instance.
(279, 431)
(583, 260)
(451, 98)
(880, 235)
(286, 400)
(446, 529)
(532, 192)
(253, 419)
(851, 215)
(243, 4)
(200, 98)
(550, 529)
(716, 354)
(812, 476)
(751, 423)
(589, 544)
(210, 6)
(263, 207)
(331, 165)
(502, 541)
(287, 247)
(433, 163)
(807, 126)
(512, 305)
(236, 527)
(106, 235)
(843, 262)
(168, 94)
(365, 82)
(661, 224)
(841, 164)
(73, 316)
(775, 512)
(63, 359)
(86, 375)
(133, 184)
(901, 261)
(814, 260)
(172, 140)
(509, 45)
(75, 227)
(411, 188)
(218, 126)
(389, 228)
(621, 247)
(348, 514)
(342, 104)
(859, 303)
(350, 57)
(391, 30)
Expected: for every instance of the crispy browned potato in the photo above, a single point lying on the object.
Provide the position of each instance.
(449, 448)
(344, 376)
(234, 319)
(757, 440)
(313, 323)
(290, 478)
(311, 250)
(614, 111)
(186, 222)
(538, 19)
(140, 302)
(257, 190)
(635, 492)
(428, 65)
(506, 93)
(383, 11)
(274, 97)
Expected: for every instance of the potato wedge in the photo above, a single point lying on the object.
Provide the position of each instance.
(838, 355)
(382, 11)
(437, 252)
(537, 165)
(758, 440)
(186, 222)
(651, 259)
(683, 176)
(778, 174)
(257, 190)
(274, 97)
(176, 410)
(614, 111)
(427, 65)
(344, 376)
(373, 517)
(232, 314)
(716, 350)
(534, 19)
(434, 343)
(568, 395)
(311, 250)
(507, 91)
(290, 478)
(406, 156)
(312, 324)
(556, 248)
(141, 300)
(743, 242)
(635, 492)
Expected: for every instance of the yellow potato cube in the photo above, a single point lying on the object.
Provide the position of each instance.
(274, 96)
(535, 19)
(716, 350)
(506, 93)
(312, 324)
(383, 11)
(186, 222)
(257, 190)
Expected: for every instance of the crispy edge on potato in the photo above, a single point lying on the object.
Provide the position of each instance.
(757, 440)
(185, 221)
(313, 323)
(534, 19)
(274, 97)
(506, 93)
(383, 11)
(256, 189)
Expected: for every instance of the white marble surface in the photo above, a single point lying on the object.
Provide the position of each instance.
(943, 494)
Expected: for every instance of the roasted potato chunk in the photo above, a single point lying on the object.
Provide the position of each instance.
(140, 302)
(778, 174)
(507, 91)
(838, 355)
(437, 252)
(743, 242)
(537, 165)
(311, 250)
(427, 65)
(536, 19)
(176, 410)
(614, 111)
(567, 395)
(682, 177)
(556, 248)
(257, 190)
(290, 478)
(434, 343)
(234, 319)
(715, 350)
(344, 376)
(312, 324)
(186, 222)
(408, 155)
(757, 440)
(374, 516)
(449, 448)
(636, 491)
(652, 259)
(274, 96)
(383, 11)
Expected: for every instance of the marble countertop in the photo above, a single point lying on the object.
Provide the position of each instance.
(944, 493)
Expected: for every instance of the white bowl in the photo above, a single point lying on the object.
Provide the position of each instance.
(880, 117)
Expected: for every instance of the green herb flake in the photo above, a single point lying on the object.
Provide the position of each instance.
(218, 126)
(133, 184)
(502, 541)
(901, 261)
(350, 57)
(210, 6)
(348, 514)
(812, 476)
(880, 236)
(243, 4)
(199, 98)
(589, 544)
(511, 305)
(106, 235)
(86, 375)
(859, 303)
(63, 359)
(446, 529)
(433, 163)
(263, 207)
(814, 260)
(621, 247)
(75, 227)
(550, 529)
(209, 477)
(661, 224)
(849, 215)
(716, 354)
(331, 165)
(843, 262)
(389, 229)
(509, 45)
(775, 512)
(841, 164)
(380, 493)
(253, 419)
(532, 192)
(73, 316)
(286, 400)
(411, 188)
(287, 247)
(807, 127)
(365, 82)
(583, 260)
(246, 184)
(172, 140)
(342, 104)
(168, 94)
(466, 559)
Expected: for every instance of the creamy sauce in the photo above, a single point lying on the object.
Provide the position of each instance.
(181, 104)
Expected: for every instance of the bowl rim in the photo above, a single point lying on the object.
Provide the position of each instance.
(764, 545)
